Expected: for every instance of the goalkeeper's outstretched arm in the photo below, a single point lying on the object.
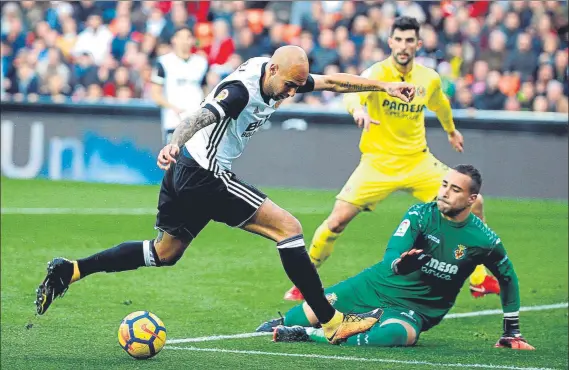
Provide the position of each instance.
(500, 265)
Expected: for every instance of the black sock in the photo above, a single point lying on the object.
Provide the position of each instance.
(125, 256)
(302, 273)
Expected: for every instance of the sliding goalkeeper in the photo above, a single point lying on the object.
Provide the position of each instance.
(431, 254)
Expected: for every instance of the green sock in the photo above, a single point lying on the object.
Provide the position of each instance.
(390, 335)
(316, 335)
(296, 316)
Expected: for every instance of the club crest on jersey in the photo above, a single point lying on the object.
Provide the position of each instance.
(332, 298)
(459, 252)
(421, 91)
(222, 95)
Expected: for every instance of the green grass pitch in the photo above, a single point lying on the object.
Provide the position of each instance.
(229, 281)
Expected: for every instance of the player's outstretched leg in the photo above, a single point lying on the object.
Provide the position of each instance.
(325, 238)
(283, 333)
(298, 325)
(164, 251)
(270, 325)
(276, 224)
(55, 284)
(393, 334)
(299, 315)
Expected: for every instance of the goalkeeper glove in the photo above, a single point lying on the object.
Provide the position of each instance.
(512, 337)
(410, 261)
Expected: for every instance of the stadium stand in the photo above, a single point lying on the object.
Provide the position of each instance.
(495, 55)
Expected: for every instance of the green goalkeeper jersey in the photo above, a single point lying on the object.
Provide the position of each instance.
(456, 248)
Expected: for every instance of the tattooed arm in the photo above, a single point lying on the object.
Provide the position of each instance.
(192, 124)
(230, 100)
(184, 132)
(347, 83)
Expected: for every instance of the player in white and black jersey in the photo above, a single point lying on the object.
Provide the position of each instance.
(176, 81)
(199, 187)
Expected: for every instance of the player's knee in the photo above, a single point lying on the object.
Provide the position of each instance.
(479, 202)
(170, 260)
(337, 223)
(169, 252)
(401, 332)
(341, 216)
(478, 206)
(310, 316)
(291, 227)
(411, 338)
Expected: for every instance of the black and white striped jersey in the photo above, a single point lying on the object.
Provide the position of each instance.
(241, 108)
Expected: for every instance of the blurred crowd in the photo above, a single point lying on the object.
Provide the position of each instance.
(497, 55)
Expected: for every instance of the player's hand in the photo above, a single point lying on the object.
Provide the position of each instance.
(401, 90)
(456, 141)
(410, 261)
(514, 341)
(362, 119)
(167, 156)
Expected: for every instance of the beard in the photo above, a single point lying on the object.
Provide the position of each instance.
(403, 63)
(452, 212)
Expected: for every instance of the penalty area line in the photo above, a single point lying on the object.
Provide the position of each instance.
(450, 316)
(354, 359)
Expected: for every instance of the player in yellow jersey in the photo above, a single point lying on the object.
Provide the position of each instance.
(395, 155)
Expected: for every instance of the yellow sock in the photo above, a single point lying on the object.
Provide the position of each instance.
(76, 275)
(331, 326)
(478, 275)
(322, 244)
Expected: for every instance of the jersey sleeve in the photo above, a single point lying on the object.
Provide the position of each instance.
(229, 100)
(158, 74)
(440, 105)
(405, 235)
(308, 86)
(501, 267)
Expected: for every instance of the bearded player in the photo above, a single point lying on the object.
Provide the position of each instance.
(394, 148)
(432, 252)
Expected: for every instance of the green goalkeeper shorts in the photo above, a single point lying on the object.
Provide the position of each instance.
(355, 295)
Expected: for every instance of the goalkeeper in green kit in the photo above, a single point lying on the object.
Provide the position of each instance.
(432, 252)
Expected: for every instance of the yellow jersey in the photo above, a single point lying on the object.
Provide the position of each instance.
(400, 136)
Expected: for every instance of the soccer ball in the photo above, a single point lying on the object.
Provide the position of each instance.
(142, 334)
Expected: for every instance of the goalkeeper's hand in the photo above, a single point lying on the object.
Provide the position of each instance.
(514, 340)
(410, 261)
(512, 337)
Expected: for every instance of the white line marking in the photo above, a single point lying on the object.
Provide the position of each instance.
(78, 211)
(450, 316)
(121, 211)
(498, 312)
(355, 359)
(218, 337)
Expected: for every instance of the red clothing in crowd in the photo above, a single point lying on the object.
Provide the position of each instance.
(219, 52)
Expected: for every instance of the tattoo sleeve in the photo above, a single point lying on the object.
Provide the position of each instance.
(192, 124)
(347, 83)
(347, 87)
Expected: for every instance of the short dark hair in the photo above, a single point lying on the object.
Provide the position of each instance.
(181, 28)
(471, 171)
(406, 23)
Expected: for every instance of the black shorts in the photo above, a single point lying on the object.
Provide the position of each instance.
(191, 196)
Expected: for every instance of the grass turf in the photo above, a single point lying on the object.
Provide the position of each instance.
(230, 281)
